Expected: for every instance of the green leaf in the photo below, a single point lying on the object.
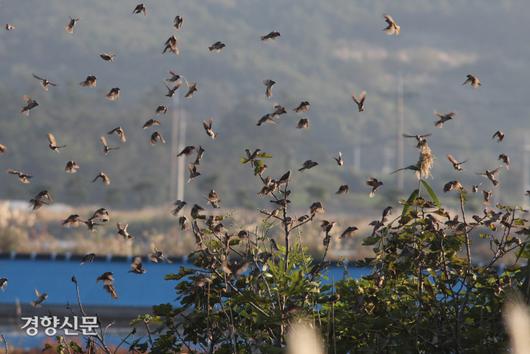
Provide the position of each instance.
(434, 197)
(409, 202)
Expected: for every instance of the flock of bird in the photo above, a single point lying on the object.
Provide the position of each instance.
(175, 81)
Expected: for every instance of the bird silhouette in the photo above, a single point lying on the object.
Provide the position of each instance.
(71, 24)
(472, 80)
(392, 27)
(359, 101)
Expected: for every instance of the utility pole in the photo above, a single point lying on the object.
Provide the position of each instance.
(178, 141)
(400, 151)
(526, 169)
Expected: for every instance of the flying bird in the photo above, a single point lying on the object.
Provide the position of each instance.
(9, 27)
(151, 122)
(177, 22)
(270, 36)
(192, 88)
(472, 80)
(183, 223)
(3, 284)
(171, 46)
(392, 27)
(499, 134)
(171, 91)
(349, 231)
(106, 148)
(267, 118)
(90, 81)
(156, 137)
(457, 165)
(216, 47)
(453, 185)
(343, 189)
(137, 266)
(268, 87)
(71, 24)
(108, 283)
(104, 178)
(491, 175)
(140, 8)
(107, 56)
(339, 159)
(23, 177)
(188, 150)
(421, 139)
(122, 231)
(161, 109)
(316, 208)
(303, 123)
(45, 83)
(3, 148)
(308, 164)
(71, 167)
(193, 173)
(120, 132)
(178, 205)
(375, 184)
(442, 118)
(88, 258)
(303, 107)
(200, 154)
(505, 160)
(213, 199)
(40, 199)
(52, 143)
(113, 94)
(208, 128)
(30, 104)
(41, 297)
(174, 77)
(73, 220)
(359, 101)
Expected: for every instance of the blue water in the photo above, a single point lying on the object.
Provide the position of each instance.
(53, 277)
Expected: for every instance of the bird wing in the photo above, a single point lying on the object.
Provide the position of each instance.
(51, 139)
(103, 141)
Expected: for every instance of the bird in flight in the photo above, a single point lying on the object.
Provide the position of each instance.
(421, 139)
(177, 22)
(45, 83)
(151, 122)
(113, 94)
(71, 167)
(457, 165)
(392, 27)
(9, 27)
(108, 283)
(303, 123)
(442, 118)
(171, 45)
(505, 160)
(106, 148)
(217, 47)
(472, 80)
(23, 177)
(41, 297)
(71, 24)
(30, 104)
(268, 87)
(339, 159)
(52, 143)
(308, 165)
(156, 137)
(491, 175)
(90, 81)
(359, 101)
(140, 8)
(375, 184)
(104, 178)
(303, 107)
(137, 266)
(119, 132)
(208, 128)
(499, 135)
(192, 88)
(270, 36)
(108, 57)
(42, 198)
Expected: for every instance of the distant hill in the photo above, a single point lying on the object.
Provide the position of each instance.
(326, 50)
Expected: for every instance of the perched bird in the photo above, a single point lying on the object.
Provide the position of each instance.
(171, 45)
(200, 154)
(267, 118)
(307, 165)
(140, 8)
(193, 173)
(23, 177)
(104, 178)
(457, 165)
(108, 283)
(442, 118)
(213, 199)
(88, 258)
(505, 160)
(359, 101)
(327, 225)
(392, 27)
(192, 88)
(453, 185)
(270, 36)
(303, 123)
(71, 167)
(216, 47)
(40, 298)
(113, 94)
(3, 284)
(156, 137)
(195, 212)
(90, 81)
(30, 104)
(137, 266)
(316, 208)
(73, 220)
(188, 150)
(171, 91)
(45, 83)
(499, 134)
(339, 159)
(472, 80)
(151, 122)
(107, 56)
(120, 132)
(42, 198)
(52, 143)
(177, 22)
(304, 107)
(208, 128)
(375, 184)
(106, 148)
(491, 175)
(178, 205)
(268, 87)
(9, 27)
(343, 189)
(348, 232)
(161, 109)
(183, 223)
(71, 24)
